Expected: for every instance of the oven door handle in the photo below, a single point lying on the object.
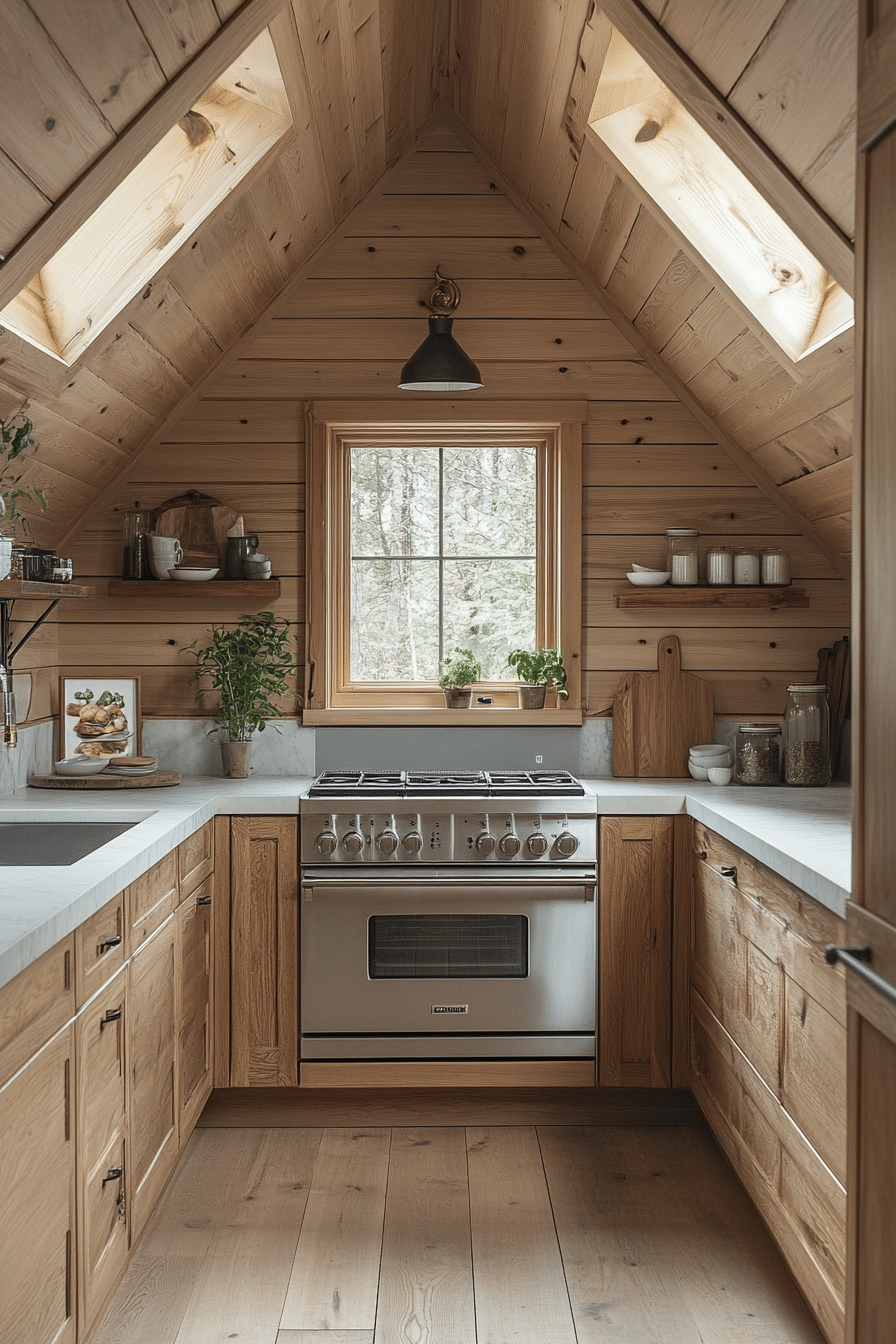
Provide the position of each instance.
(588, 884)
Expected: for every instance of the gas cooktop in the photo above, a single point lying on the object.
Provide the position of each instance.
(446, 783)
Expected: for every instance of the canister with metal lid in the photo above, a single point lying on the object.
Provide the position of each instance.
(807, 736)
(757, 753)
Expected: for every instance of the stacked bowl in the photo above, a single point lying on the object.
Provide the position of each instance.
(710, 761)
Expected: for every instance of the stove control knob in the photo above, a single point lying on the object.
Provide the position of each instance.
(353, 842)
(412, 842)
(326, 842)
(509, 844)
(485, 843)
(567, 844)
(537, 844)
(387, 842)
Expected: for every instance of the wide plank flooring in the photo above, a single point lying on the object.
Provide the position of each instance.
(453, 1235)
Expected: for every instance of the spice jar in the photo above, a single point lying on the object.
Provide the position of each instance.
(746, 566)
(719, 566)
(775, 565)
(757, 753)
(807, 737)
(684, 561)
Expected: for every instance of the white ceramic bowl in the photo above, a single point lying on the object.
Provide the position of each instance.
(710, 749)
(645, 569)
(81, 765)
(193, 575)
(697, 771)
(649, 578)
(719, 774)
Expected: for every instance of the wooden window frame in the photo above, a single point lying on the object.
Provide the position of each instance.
(333, 428)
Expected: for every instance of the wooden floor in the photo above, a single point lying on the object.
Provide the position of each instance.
(453, 1235)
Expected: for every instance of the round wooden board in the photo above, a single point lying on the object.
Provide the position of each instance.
(162, 779)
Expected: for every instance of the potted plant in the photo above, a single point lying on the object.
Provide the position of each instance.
(249, 665)
(538, 670)
(16, 438)
(459, 675)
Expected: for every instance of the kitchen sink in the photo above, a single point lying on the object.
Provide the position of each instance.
(55, 844)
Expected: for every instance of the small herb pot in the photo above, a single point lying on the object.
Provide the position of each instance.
(458, 698)
(531, 697)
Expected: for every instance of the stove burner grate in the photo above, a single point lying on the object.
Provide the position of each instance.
(446, 783)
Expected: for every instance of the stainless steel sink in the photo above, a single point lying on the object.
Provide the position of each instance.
(55, 844)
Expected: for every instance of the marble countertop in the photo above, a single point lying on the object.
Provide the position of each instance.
(804, 835)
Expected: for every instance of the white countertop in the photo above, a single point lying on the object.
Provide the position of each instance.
(804, 835)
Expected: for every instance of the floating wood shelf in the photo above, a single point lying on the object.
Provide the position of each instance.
(768, 598)
(10, 588)
(261, 589)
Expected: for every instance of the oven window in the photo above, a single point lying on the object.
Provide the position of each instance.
(448, 947)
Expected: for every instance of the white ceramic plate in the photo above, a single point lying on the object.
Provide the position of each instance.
(126, 770)
(81, 765)
(649, 578)
(193, 575)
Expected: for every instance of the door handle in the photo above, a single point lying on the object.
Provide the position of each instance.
(110, 1015)
(109, 942)
(855, 959)
(113, 1174)
(203, 900)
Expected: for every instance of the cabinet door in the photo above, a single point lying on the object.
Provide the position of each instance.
(34, 1005)
(102, 1208)
(196, 859)
(195, 924)
(150, 900)
(37, 1173)
(264, 970)
(152, 1081)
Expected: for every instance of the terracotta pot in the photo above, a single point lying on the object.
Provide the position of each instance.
(235, 759)
(531, 697)
(459, 698)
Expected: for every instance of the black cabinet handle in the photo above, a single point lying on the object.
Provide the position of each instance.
(113, 1174)
(110, 942)
(110, 1015)
(855, 959)
(203, 900)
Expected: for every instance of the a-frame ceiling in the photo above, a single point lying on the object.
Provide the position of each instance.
(88, 88)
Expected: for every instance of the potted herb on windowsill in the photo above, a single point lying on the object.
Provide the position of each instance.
(537, 671)
(16, 438)
(458, 678)
(249, 665)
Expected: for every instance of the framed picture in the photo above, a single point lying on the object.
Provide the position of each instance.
(99, 716)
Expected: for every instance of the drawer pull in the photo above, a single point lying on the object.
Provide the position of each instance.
(855, 959)
(203, 900)
(113, 1174)
(111, 1015)
(730, 873)
(109, 942)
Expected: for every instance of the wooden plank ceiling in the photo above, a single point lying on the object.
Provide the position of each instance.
(81, 100)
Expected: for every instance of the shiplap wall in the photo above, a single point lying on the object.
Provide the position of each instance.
(344, 332)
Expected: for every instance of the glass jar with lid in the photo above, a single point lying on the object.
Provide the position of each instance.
(757, 753)
(684, 560)
(807, 737)
(719, 566)
(746, 566)
(775, 565)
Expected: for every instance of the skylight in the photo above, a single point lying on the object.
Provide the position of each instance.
(714, 207)
(149, 217)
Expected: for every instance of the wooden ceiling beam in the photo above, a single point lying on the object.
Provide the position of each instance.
(650, 357)
(132, 146)
(745, 149)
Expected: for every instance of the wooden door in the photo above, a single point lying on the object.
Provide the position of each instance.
(194, 1013)
(152, 1076)
(100, 1125)
(871, 916)
(264, 952)
(37, 1178)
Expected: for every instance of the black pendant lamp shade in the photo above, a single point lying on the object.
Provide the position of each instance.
(439, 364)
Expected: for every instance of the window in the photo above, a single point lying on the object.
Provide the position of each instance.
(429, 532)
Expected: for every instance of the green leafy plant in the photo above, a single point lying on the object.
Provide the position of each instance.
(460, 671)
(16, 438)
(541, 667)
(249, 665)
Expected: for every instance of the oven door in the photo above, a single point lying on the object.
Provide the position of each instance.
(453, 970)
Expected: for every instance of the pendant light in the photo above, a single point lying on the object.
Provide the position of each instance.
(439, 364)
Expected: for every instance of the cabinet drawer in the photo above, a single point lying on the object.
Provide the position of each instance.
(34, 1005)
(196, 859)
(99, 948)
(150, 900)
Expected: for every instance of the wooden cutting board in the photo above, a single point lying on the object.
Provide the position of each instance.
(161, 779)
(201, 522)
(658, 716)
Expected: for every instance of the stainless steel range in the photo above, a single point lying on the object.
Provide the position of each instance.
(448, 915)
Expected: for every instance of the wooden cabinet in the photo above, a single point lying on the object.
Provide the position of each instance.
(37, 1178)
(153, 1111)
(769, 1057)
(99, 949)
(264, 962)
(35, 1005)
(150, 900)
(100, 1031)
(642, 953)
(194, 942)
